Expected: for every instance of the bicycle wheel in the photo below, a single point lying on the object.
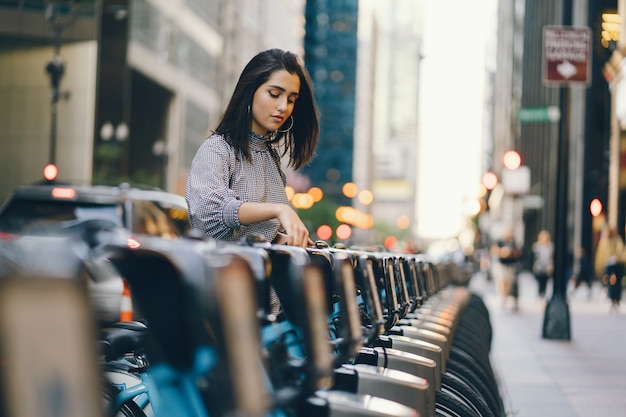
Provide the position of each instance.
(470, 378)
(128, 409)
(467, 393)
(449, 405)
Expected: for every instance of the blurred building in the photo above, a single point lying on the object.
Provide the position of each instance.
(29, 34)
(386, 140)
(330, 53)
(144, 81)
(613, 40)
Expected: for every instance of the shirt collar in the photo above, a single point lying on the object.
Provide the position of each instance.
(258, 142)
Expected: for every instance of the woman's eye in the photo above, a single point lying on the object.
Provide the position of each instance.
(274, 94)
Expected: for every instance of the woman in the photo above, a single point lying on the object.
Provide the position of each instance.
(543, 264)
(507, 254)
(236, 185)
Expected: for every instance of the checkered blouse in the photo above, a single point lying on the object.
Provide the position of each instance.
(220, 180)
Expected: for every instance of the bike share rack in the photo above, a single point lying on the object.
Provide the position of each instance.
(264, 330)
(48, 364)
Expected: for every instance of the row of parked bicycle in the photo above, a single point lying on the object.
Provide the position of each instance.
(247, 329)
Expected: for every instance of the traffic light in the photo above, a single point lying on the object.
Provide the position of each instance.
(50, 172)
(595, 207)
(512, 160)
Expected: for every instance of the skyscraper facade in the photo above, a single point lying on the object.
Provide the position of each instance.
(330, 45)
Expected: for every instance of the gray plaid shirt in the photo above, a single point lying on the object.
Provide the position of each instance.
(220, 181)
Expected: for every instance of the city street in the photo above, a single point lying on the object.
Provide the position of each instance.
(583, 377)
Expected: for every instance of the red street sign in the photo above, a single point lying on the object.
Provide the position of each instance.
(566, 55)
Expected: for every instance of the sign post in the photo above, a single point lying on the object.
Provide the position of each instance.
(539, 114)
(566, 55)
(566, 61)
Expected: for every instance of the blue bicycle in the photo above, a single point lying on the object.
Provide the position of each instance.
(200, 312)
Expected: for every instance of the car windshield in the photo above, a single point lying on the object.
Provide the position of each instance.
(151, 218)
(23, 216)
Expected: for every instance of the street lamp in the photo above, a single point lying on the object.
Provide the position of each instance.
(111, 150)
(161, 151)
(55, 69)
(119, 132)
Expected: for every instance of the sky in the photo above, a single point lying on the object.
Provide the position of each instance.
(451, 111)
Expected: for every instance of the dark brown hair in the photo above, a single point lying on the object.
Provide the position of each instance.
(235, 124)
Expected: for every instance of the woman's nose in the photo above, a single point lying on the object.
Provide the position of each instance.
(282, 104)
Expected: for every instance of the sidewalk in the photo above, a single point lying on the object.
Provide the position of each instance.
(583, 377)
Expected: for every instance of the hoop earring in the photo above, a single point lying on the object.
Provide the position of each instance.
(289, 128)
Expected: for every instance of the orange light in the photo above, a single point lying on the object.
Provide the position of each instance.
(343, 231)
(390, 242)
(324, 232)
(290, 192)
(302, 201)
(403, 222)
(316, 193)
(366, 197)
(367, 222)
(341, 213)
(490, 180)
(50, 172)
(350, 189)
(60, 192)
(595, 207)
(512, 160)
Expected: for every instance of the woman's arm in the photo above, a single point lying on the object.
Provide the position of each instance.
(212, 204)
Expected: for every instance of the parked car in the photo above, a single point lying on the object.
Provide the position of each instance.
(51, 208)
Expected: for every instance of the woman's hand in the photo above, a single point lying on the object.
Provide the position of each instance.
(296, 233)
(283, 239)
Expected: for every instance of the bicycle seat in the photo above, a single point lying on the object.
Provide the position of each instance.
(158, 288)
(116, 342)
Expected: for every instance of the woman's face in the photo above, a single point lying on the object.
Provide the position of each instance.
(273, 101)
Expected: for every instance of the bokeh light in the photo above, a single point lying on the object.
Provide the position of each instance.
(50, 172)
(366, 197)
(595, 207)
(324, 232)
(290, 192)
(350, 189)
(403, 222)
(316, 193)
(490, 180)
(512, 160)
(343, 231)
(472, 207)
(390, 242)
(302, 201)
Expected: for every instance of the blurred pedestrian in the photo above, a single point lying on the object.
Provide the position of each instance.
(543, 261)
(236, 184)
(584, 276)
(609, 264)
(507, 255)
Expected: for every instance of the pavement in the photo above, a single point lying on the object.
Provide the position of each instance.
(581, 377)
